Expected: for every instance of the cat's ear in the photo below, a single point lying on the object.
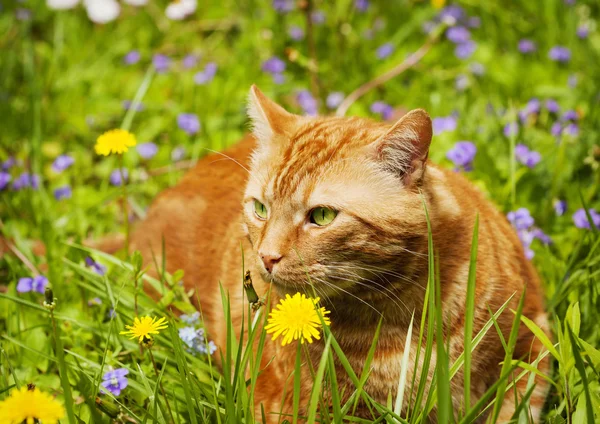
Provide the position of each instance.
(268, 118)
(405, 146)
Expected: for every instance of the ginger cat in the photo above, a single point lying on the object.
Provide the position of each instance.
(365, 247)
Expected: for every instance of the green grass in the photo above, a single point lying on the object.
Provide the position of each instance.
(62, 84)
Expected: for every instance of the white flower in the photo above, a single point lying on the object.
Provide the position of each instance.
(180, 9)
(102, 11)
(61, 4)
(137, 2)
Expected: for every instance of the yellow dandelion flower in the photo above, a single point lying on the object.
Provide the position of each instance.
(144, 327)
(296, 318)
(438, 4)
(30, 406)
(114, 141)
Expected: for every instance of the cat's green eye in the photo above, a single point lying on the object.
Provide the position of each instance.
(260, 210)
(322, 216)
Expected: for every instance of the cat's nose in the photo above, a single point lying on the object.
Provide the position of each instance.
(269, 261)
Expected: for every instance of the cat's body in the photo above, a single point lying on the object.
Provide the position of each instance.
(370, 260)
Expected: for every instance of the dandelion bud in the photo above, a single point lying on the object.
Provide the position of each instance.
(49, 299)
(249, 288)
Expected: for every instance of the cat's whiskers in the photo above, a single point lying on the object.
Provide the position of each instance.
(333, 286)
(378, 271)
(227, 157)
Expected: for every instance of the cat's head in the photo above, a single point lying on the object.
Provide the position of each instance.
(334, 199)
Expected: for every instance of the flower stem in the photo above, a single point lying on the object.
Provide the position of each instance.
(162, 389)
(62, 368)
(125, 205)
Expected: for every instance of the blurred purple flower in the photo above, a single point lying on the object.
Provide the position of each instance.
(581, 220)
(527, 157)
(541, 236)
(452, 14)
(273, 65)
(98, 268)
(189, 61)
(283, 6)
(161, 63)
(429, 26)
(510, 129)
(556, 129)
(474, 22)
(195, 340)
(462, 155)
(461, 83)
(127, 105)
(477, 69)
(115, 381)
(458, 34)
(147, 150)
(383, 109)
(570, 115)
(559, 54)
(95, 301)
(552, 106)
(526, 237)
(9, 163)
(115, 176)
(521, 219)
(29, 284)
(296, 33)
(191, 319)
(26, 180)
(572, 81)
(318, 17)
(334, 99)
(571, 129)
(385, 50)
(361, 5)
(278, 78)
(444, 123)
(62, 162)
(178, 153)
(4, 179)
(583, 31)
(532, 107)
(560, 207)
(189, 123)
(527, 46)
(63, 192)
(207, 75)
(465, 50)
(307, 102)
(132, 57)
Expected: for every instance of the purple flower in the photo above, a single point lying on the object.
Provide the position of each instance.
(127, 105)
(526, 237)
(444, 123)
(195, 340)
(570, 115)
(132, 57)
(532, 107)
(317, 17)
(161, 63)
(189, 61)
(458, 34)
(560, 207)
(527, 157)
(556, 129)
(361, 5)
(581, 220)
(385, 50)
(462, 155)
(571, 129)
(511, 129)
(95, 301)
(273, 65)
(9, 163)
(207, 74)
(26, 180)
(63, 192)
(527, 46)
(474, 22)
(98, 268)
(465, 50)
(452, 14)
(4, 179)
(541, 236)
(559, 54)
(178, 153)
(36, 284)
(115, 381)
(461, 83)
(189, 123)
(147, 150)
(334, 99)
(307, 102)
(115, 176)
(552, 106)
(296, 33)
(382, 109)
(477, 68)
(62, 162)
(283, 6)
(583, 30)
(191, 319)
(521, 219)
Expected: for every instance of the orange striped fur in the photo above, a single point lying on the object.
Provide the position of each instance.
(371, 261)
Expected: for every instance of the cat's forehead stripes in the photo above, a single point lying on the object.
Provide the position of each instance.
(316, 144)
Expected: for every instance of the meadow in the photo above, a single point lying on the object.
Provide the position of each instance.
(513, 88)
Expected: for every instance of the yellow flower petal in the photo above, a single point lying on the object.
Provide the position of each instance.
(114, 141)
(144, 327)
(29, 405)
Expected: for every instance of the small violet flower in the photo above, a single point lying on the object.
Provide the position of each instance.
(444, 123)
(511, 129)
(552, 106)
(147, 150)
(178, 153)
(462, 155)
(207, 75)
(63, 192)
(527, 157)
(560, 207)
(4, 179)
(189, 123)
(383, 109)
(296, 33)
(465, 50)
(521, 219)
(559, 54)
(96, 301)
(458, 34)
(334, 99)
(191, 319)
(361, 5)
(98, 268)
(115, 381)
(161, 63)
(581, 220)
(195, 340)
(32, 284)
(283, 6)
(115, 176)
(385, 51)
(132, 57)
(62, 163)
(189, 61)
(583, 31)
(527, 46)
(26, 180)
(307, 102)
